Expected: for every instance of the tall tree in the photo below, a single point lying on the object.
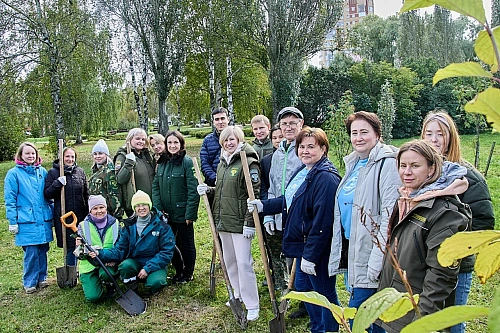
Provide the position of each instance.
(386, 111)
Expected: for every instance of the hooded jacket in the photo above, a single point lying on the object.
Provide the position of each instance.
(210, 157)
(230, 200)
(420, 222)
(308, 223)
(375, 193)
(103, 182)
(76, 194)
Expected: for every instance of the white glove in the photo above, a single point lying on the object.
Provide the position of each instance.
(14, 228)
(270, 227)
(307, 267)
(202, 189)
(62, 180)
(372, 274)
(130, 156)
(251, 204)
(248, 232)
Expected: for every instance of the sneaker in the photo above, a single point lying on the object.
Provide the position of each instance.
(185, 279)
(43, 284)
(30, 290)
(177, 278)
(253, 314)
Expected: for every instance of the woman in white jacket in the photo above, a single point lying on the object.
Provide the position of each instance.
(363, 204)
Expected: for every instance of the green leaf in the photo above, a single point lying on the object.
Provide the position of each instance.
(487, 103)
(484, 47)
(488, 261)
(388, 299)
(460, 69)
(445, 318)
(464, 244)
(494, 317)
(472, 8)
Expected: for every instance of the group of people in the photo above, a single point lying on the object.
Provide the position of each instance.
(391, 203)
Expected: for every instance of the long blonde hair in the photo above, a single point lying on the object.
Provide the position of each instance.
(447, 126)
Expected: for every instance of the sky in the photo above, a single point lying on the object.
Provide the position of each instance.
(386, 8)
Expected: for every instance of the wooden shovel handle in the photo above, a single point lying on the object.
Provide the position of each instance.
(71, 225)
(132, 175)
(63, 198)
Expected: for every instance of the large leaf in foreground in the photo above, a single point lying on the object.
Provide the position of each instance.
(460, 69)
(445, 318)
(484, 48)
(494, 317)
(463, 244)
(487, 103)
(470, 8)
(388, 304)
(488, 261)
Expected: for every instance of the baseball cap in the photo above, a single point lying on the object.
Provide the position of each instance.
(292, 110)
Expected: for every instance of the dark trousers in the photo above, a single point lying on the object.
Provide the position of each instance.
(274, 243)
(184, 240)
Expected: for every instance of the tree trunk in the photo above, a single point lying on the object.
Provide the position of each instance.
(218, 94)
(145, 121)
(229, 90)
(130, 58)
(162, 116)
(211, 81)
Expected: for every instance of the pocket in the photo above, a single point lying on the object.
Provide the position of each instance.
(418, 248)
(47, 213)
(24, 214)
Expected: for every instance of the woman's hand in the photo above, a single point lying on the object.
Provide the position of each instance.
(93, 254)
(188, 222)
(78, 241)
(142, 274)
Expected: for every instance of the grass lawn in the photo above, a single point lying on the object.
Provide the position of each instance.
(186, 308)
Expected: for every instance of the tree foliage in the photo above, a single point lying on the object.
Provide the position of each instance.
(386, 111)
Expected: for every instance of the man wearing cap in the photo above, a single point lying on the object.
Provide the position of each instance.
(284, 163)
(146, 246)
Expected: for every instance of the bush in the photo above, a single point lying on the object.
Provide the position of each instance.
(11, 136)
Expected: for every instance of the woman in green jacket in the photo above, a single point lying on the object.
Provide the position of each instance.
(174, 194)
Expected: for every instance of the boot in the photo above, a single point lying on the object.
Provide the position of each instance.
(299, 313)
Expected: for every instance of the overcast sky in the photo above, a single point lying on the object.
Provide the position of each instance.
(385, 8)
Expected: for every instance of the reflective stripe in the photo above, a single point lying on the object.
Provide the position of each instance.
(115, 230)
(86, 232)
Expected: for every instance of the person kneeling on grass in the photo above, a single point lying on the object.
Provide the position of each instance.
(101, 231)
(146, 245)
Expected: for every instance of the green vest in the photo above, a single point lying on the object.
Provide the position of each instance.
(91, 234)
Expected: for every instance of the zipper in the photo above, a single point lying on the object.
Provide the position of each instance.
(419, 251)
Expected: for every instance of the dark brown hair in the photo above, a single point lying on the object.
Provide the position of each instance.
(317, 133)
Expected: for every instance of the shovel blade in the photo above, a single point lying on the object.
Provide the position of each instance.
(212, 280)
(277, 325)
(132, 303)
(238, 312)
(67, 276)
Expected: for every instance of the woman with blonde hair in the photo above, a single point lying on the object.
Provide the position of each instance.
(440, 131)
(137, 162)
(157, 142)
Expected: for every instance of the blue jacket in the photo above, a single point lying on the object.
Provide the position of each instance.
(153, 249)
(26, 206)
(307, 231)
(210, 157)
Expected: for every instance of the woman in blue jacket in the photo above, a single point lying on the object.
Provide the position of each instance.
(29, 214)
(307, 209)
(146, 246)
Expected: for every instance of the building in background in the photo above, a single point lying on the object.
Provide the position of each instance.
(353, 12)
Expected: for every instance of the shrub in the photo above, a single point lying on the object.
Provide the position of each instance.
(11, 136)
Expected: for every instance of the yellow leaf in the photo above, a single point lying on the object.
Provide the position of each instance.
(460, 69)
(377, 305)
(487, 103)
(464, 244)
(472, 8)
(494, 317)
(445, 318)
(399, 309)
(488, 261)
(484, 48)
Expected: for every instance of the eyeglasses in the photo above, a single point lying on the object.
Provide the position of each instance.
(291, 124)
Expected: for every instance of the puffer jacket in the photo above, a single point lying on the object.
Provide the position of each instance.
(375, 193)
(309, 220)
(154, 248)
(478, 198)
(174, 188)
(284, 161)
(26, 206)
(210, 157)
(76, 196)
(230, 200)
(144, 173)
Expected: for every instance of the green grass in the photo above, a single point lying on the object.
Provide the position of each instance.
(186, 308)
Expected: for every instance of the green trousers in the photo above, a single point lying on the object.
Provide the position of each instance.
(92, 281)
(154, 281)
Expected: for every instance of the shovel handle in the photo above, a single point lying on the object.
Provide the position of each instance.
(71, 225)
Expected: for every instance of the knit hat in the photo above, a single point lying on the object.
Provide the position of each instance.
(141, 197)
(101, 147)
(95, 200)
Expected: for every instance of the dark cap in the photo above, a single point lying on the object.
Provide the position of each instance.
(292, 110)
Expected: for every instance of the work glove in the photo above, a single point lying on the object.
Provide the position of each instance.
(13, 228)
(270, 226)
(130, 156)
(62, 180)
(251, 204)
(307, 267)
(248, 232)
(202, 189)
(372, 274)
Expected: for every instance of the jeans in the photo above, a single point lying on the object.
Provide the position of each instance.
(70, 257)
(321, 318)
(184, 240)
(35, 264)
(358, 296)
(461, 295)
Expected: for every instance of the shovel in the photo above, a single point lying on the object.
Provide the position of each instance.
(67, 275)
(277, 324)
(234, 303)
(212, 272)
(128, 300)
(285, 302)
